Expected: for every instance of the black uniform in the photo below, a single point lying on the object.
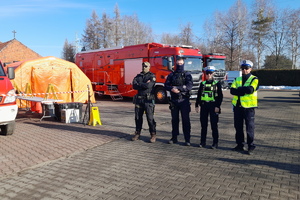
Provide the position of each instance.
(180, 102)
(208, 108)
(144, 100)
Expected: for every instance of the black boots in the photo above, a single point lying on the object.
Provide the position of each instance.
(153, 137)
(136, 136)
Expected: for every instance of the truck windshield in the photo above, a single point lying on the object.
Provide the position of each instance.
(218, 64)
(192, 64)
(1, 70)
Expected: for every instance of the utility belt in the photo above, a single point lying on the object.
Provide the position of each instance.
(181, 96)
(208, 101)
(142, 99)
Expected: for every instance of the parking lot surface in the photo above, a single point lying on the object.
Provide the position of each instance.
(54, 160)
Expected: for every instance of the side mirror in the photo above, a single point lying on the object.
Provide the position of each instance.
(170, 63)
(11, 73)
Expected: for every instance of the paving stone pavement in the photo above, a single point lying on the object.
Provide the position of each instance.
(52, 160)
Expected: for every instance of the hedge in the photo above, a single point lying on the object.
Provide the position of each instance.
(277, 77)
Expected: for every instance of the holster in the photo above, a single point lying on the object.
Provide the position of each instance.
(171, 105)
(134, 99)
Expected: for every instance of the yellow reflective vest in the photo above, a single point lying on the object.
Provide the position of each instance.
(248, 100)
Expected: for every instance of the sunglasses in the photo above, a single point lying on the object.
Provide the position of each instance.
(245, 68)
(208, 73)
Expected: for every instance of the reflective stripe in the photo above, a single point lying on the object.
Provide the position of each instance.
(248, 100)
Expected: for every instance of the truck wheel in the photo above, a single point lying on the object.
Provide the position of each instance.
(8, 129)
(161, 95)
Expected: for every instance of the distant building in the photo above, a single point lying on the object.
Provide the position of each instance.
(14, 51)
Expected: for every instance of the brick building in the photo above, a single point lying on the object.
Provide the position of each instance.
(14, 50)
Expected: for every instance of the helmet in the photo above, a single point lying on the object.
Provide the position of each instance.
(246, 63)
(210, 69)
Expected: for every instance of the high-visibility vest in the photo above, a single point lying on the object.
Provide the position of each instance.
(248, 100)
(209, 91)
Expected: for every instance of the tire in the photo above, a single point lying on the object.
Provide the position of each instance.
(161, 95)
(8, 129)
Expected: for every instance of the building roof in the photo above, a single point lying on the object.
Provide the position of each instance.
(3, 45)
(13, 50)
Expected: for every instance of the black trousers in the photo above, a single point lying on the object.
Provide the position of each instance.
(184, 108)
(148, 108)
(208, 109)
(242, 115)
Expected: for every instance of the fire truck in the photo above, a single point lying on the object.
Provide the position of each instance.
(8, 106)
(218, 61)
(112, 70)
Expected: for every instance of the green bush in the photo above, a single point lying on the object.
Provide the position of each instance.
(277, 77)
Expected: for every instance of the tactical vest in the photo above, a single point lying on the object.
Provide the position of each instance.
(178, 79)
(209, 91)
(248, 100)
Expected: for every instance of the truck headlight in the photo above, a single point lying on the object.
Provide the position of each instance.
(10, 99)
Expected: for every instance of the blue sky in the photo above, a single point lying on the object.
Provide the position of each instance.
(44, 25)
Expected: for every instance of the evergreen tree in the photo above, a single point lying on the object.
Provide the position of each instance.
(260, 28)
(278, 62)
(91, 37)
(69, 52)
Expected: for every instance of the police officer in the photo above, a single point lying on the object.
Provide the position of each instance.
(180, 83)
(244, 91)
(209, 97)
(144, 101)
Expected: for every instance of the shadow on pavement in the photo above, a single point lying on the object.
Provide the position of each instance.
(77, 128)
(292, 168)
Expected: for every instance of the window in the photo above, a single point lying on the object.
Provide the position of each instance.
(168, 62)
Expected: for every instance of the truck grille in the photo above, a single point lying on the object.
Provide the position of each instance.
(220, 74)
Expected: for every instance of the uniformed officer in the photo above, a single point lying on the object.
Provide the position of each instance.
(244, 91)
(144, 101)
(209, 97)
(180, 83)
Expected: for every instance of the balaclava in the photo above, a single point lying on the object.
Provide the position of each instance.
(179, 68)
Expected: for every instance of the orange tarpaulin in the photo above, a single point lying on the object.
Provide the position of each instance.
(70, 84)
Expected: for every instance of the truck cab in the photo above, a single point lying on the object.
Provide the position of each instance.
(8, 106)
(218, 61)
(162, 62)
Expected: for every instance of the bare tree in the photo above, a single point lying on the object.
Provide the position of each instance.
(233, 27)
(186, 35)
(168, 38)
(293, 38)
(135, 32)
(68, 52)
(213, 36)
(91, 36)
(263, 13)
(278, 36)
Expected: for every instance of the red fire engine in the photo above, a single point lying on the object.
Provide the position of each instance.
(8, 106)
(111, 71)
(218, 61)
